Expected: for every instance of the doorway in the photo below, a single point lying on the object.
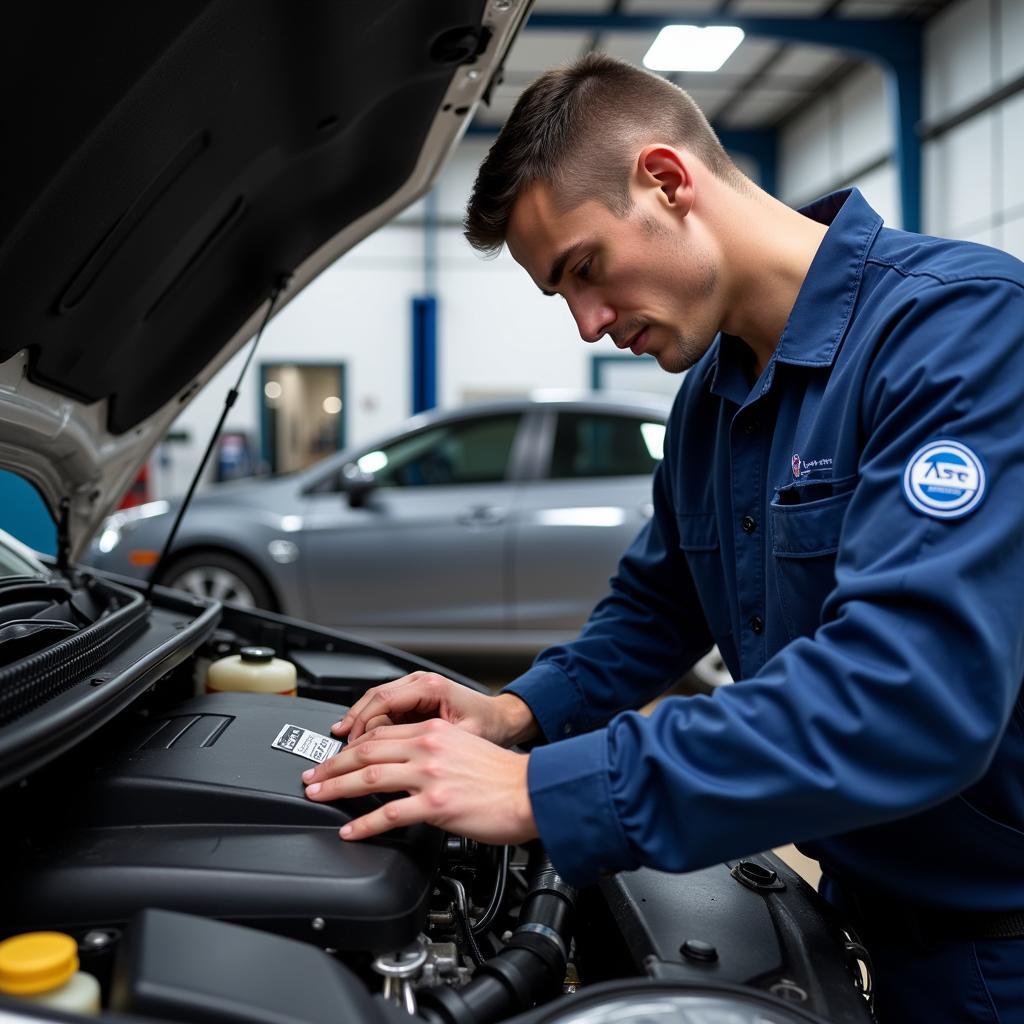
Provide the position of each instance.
(302, 414)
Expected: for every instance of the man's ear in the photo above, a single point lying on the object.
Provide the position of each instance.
(665, 168)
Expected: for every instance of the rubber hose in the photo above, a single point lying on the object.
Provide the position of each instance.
(528, 970)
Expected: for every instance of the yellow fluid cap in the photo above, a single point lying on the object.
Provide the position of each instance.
(36, 962)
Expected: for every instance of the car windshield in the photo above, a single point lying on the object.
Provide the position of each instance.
(16, 559)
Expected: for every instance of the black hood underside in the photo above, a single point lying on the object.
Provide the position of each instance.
(167, 161)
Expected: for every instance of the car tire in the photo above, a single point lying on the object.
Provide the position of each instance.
(221, 577)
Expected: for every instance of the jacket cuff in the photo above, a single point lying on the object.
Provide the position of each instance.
(572, 806)
(553, 698)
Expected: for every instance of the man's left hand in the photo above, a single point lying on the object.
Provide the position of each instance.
(455, 780)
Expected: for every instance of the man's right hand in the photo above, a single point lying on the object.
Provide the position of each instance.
(504, 719)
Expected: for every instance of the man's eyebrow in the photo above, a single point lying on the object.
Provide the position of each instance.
(558, 265)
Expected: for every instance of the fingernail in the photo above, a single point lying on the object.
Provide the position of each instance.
(313, 790)
(346, 831)
(307, 775)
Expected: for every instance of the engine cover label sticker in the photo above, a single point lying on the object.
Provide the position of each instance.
(310, 745)
(944, 479)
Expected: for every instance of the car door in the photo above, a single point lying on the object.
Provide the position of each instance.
(426, 550)
(572, 525)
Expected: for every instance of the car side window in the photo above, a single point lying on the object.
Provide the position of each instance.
(599, 444)
(472, 451)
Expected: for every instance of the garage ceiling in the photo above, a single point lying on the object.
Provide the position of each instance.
(760, 86)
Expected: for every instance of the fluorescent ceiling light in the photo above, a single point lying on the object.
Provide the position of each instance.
(689, 48)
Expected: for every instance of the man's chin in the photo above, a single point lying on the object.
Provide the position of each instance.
(681, 354)
(673, 361)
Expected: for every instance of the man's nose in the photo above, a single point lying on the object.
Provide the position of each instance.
(593, 317)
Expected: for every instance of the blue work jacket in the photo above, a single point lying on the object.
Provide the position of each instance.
(849, 529)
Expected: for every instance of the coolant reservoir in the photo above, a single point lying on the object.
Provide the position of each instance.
(252, 670)
(42, 968)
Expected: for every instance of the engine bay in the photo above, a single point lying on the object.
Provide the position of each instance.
(165, 829)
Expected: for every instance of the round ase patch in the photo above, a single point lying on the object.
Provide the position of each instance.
(944, 479)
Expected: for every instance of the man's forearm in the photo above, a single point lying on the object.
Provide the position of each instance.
(518, 724)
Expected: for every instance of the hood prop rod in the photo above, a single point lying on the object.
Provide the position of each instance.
(64, 537)
(279, 286)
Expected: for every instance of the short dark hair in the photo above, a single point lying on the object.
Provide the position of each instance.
(577, 128)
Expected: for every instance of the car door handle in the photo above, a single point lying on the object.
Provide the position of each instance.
(482, 515)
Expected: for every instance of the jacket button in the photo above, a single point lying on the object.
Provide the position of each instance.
(749, 524)
(757, 624)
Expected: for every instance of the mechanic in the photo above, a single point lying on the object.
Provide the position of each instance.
(839, 509)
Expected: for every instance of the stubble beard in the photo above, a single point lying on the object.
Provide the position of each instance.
(687, 347)
(683, 352)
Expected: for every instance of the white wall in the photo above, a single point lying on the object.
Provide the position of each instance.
(973, 182)
(828, 144)
(973, 171)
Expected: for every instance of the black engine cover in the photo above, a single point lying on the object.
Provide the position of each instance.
(181, 968)
(194, 811)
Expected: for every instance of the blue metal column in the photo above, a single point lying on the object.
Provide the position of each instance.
(905, 99)
(424, 353)
(424, 318)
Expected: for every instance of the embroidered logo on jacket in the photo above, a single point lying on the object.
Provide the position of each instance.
(806, 467)
(944, 479)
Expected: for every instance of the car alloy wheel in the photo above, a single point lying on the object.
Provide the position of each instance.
(219, 577)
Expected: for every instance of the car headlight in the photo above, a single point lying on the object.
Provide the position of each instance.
(694, 1007)
(116, 525)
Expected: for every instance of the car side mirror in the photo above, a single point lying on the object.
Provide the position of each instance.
(357, 484)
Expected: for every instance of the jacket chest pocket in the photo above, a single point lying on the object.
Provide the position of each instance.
(805, 540)
(698, 538)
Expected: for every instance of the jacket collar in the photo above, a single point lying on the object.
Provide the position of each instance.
(823, 307)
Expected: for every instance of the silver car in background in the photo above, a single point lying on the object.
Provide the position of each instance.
(491, 529)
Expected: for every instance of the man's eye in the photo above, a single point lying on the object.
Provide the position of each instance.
(583, 270)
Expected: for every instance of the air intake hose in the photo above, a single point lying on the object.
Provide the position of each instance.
(531, 966)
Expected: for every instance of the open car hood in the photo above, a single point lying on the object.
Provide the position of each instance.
(167, 164)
